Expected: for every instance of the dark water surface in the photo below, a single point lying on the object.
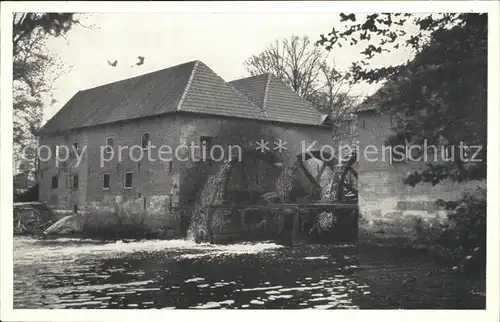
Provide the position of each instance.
(72, 273)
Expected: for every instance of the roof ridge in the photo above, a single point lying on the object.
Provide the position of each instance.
(291, 89)
(251, 76)
(138, 76)
(240, 94)
(188, 85)
(245, 96)
(266, 93)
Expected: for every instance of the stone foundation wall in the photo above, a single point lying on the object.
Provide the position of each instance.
(153, 214)
(389, 209)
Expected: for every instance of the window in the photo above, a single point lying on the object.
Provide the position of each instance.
(105, 180)
(109, 144)
(127, 184)
(342, 127)
(72, 181)
(145, 140)
(352, 127)
(55, 182)
(76, 147)
(363, 124)
(62, 157)
(206, 141)
(75, 182)
(206, 145)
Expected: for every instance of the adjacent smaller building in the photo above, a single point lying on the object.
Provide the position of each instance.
(388, 207)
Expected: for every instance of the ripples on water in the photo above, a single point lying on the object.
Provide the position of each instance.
(74, 273)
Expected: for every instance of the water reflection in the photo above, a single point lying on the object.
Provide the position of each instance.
(70, 273)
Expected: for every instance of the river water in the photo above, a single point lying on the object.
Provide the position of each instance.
(75, 273)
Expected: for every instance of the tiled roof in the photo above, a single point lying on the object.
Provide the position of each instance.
(278, 101)
(253, 87)
(371, 103)
(145, 95)
(190, 87)
(208, 93)
(366, 107)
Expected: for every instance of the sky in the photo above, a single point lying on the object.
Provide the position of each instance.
(222, 41)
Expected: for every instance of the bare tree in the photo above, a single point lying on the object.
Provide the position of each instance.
(304, 67)
(333, 96)
(296, 61)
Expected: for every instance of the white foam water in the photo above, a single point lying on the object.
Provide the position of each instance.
(60, 250)
(261, 288)
(315, 257)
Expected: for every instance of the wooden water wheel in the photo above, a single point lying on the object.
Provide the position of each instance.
(252, 180)
(348, 184)
(344, 184)
(339, 187)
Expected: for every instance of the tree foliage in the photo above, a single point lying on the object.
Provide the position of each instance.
(438, 97)
(306, 69)
(31, 65)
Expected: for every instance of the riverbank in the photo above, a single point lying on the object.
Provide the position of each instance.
(467, 264)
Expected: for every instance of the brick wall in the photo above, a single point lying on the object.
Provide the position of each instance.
(151, 180)
(153, 183)
(63, 198)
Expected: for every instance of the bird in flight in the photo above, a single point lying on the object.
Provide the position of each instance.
(345, 17)
(113, 63)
